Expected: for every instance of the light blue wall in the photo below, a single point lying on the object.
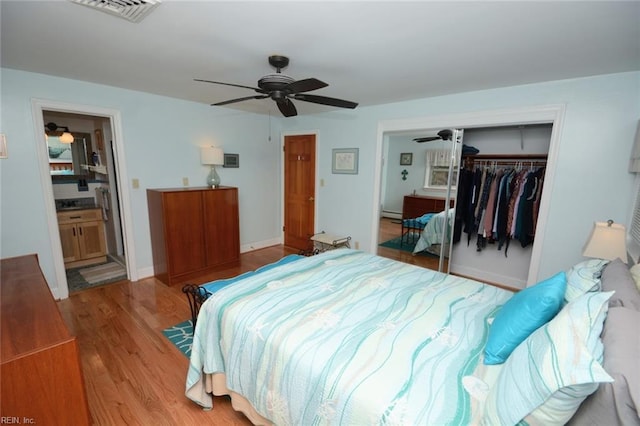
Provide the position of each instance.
(591, 182)
(162, 135)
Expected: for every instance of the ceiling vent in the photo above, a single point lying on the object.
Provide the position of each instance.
(131, 10)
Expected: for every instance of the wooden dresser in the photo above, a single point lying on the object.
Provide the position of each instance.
(416, 205)
(194, 231)
(40, 370)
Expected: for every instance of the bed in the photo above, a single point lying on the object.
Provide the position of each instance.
(346, 337)
(431, 236)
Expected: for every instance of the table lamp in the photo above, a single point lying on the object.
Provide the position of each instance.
(212, 156)
(607, 241)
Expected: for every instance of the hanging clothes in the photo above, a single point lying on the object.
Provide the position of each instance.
(465, 181)
(498, 205)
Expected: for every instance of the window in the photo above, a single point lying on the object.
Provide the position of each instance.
(633, 237)
(437, 170)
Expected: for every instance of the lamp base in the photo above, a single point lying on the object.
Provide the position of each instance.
(213, 180)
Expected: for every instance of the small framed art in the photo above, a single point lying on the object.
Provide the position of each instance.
(406, 158)
(344, 161)
(231, 160)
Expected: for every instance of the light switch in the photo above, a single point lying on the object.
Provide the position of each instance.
(321, 182)
(135, 183)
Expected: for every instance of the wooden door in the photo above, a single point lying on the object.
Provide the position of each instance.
(299, 190)
(183, 231)
(69, 240)
(221, 226)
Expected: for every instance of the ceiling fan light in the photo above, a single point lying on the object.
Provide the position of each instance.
(66, 137)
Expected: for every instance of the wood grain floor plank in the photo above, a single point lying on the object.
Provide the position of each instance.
(133, 374)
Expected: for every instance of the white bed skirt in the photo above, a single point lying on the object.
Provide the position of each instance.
(216, 384)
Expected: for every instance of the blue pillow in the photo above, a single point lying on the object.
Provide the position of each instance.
(525, 312)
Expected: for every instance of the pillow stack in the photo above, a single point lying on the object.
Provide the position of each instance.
(548, 337)
(617, 402)
(547, 377)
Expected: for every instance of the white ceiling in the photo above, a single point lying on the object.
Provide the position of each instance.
(368, 52)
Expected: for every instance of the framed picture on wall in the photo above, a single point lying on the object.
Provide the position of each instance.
(406, 158)
(231, 160)
(345, 160)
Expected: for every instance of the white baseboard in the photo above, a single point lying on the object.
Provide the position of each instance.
(148, 272)
(392, 215)
(492, 277)
(260, 244)
(145, 273)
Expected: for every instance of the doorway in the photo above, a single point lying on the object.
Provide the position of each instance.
(299, 190)
(552, 114)
(116, 193)
(84, 186)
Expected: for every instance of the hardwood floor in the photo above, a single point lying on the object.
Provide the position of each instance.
(391, 228)
(133, 374)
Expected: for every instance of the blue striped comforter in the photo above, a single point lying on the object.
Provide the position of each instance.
(349, 338)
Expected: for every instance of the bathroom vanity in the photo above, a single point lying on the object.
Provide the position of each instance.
(82, 237)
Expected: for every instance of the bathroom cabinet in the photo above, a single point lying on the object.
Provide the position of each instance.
(82, 237)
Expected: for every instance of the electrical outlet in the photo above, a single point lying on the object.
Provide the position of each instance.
(135, 183)
(357, 245)
(185, 181)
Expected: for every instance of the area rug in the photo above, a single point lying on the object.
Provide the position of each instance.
(102, 273)
(87, 277)
(394, 243)
(181, 335)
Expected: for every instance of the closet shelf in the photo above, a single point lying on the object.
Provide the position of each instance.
(507, 156)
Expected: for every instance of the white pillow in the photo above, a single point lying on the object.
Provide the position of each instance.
(547, 376)
(584, 277)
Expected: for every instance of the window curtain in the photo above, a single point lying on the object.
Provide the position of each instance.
(437, 160)
(634, 162)
(440, 157)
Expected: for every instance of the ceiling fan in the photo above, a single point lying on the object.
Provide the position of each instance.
(282, 89)
(444, 135)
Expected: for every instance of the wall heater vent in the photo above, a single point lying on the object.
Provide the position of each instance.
(131, 10)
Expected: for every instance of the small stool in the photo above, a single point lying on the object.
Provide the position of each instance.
(323, 241)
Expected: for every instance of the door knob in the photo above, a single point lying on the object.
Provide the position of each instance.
(311, 199)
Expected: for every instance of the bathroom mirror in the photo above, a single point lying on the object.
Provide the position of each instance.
(68, 161)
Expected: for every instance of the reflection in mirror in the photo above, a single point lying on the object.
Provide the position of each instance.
(69, 160)
(452, 180)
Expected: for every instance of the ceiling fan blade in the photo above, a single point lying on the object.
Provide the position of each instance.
(287, 108)
(306, 85)
(444, 135)
(246, 98)
(427, 139)
(231, 84)
(325, 101)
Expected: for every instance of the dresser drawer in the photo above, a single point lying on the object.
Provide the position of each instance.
(74, 216)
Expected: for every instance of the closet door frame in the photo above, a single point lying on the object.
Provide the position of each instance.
(544, 114)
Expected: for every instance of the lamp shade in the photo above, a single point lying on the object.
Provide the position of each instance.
(212, 156)
(607, 241)
(66, 137)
